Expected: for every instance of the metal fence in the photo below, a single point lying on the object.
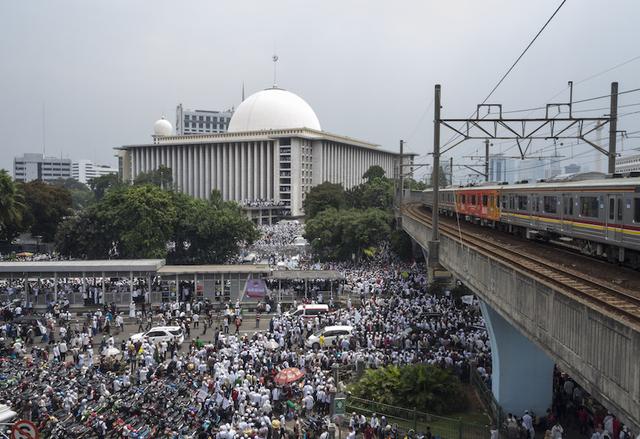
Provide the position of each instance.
(486, 396)
(406, 419)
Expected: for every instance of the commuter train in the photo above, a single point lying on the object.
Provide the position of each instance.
(600, 216)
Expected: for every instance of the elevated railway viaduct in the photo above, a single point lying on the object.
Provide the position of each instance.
(537, 317)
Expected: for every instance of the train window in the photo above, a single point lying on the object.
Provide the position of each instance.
(504, 201)
(492, 202)
(551, 204)
(485, 200)
(589, 207)
(463, 197)
(636, 212)
(523, 202)
(512, 203)
(536, 203)
(612, 208)
(473, 199)
(620, 209)
(571, 206)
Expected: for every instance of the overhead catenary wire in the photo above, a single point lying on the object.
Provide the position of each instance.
(512, 66)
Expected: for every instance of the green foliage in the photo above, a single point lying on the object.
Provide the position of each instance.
(141, 221)
(442, 178)
(401, 244)
(46, 206)
(81, 194)
(161, 177)
(324, 196)
(374, 172)
(377, 193)
(422, 387)
(12, 208)
(208, 231)
(143, 217)
(410, 183)
(337, 234)
(100, 185)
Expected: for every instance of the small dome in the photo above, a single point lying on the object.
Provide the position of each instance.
(162, 127)
(272, 109)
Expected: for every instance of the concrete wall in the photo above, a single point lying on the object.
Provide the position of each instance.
(599, 352)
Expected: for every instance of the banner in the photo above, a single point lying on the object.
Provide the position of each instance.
(255, 288)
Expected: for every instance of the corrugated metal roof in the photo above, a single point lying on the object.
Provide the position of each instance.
(307, 274)
(112, 265)
(168, 270)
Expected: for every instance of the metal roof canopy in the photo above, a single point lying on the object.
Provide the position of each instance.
(169, 270)
(70, 268)
(307, 275)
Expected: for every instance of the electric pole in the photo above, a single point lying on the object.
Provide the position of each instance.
(401, 171)
(486, 159)
(613, 126)
(451, 170)
(435, 178)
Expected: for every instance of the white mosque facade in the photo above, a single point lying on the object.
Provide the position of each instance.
(273, 152)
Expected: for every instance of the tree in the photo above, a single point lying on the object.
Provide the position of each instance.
(377, 193)
(442, 178)
(46, 205)
(322, 197)
(421, 387)
(12, 208)
(339, 234)
(142, 219)
(100, 185)
(81, 194)
(414, 185)
(374, 172)
(86, 235)
(161, 177)
(209, 231)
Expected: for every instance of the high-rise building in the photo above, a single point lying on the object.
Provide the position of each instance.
(498, 168)
(572, 169)
(85, 170)
(630, 163)
(273, 153)
(201, 121)
(33, 166)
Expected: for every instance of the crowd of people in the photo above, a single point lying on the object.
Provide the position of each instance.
(87, 377)
(261, 202)
(226, 383)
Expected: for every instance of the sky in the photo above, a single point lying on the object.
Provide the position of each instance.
(90, 76)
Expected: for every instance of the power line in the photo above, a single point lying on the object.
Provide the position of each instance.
(524, 51)
(512, 66)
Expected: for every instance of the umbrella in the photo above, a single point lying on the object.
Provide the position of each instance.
(24, 254)
(112, 352)
(287, 376)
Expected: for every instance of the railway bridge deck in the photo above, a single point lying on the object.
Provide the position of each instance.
(538, 314)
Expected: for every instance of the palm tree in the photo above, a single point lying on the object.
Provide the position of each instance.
(11, 207)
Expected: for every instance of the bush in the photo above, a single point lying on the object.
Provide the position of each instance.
(422, 387)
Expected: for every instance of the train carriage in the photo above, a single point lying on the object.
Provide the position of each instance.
(600, 217)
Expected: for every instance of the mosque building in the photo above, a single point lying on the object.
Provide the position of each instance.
(272, 154)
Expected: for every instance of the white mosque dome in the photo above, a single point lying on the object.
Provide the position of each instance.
(272, 109)
(162, 127)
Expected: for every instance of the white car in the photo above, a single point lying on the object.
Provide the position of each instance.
(330, 333)
(160, 333)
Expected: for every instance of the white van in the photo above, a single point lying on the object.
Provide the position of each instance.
(330, 334)
(310, 311)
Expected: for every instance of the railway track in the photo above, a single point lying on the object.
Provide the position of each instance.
(616, 300)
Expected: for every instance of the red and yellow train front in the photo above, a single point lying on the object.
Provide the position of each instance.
(479, 203)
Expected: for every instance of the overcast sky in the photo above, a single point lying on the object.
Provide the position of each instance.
(105, 71)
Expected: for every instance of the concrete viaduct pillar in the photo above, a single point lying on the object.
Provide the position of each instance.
(522, 373)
